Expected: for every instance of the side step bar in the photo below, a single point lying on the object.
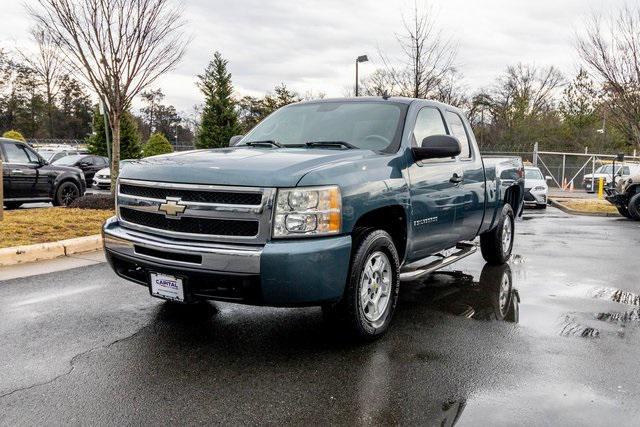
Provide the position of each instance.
(409, 273)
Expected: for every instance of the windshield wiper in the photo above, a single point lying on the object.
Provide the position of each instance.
(330, 144)
(266, 142)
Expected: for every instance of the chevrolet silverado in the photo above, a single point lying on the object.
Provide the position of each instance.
(328, 203)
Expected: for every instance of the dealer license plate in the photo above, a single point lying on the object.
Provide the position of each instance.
(167, 287)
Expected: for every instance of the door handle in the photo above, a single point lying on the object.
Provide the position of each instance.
(457, 178)
(18, 171)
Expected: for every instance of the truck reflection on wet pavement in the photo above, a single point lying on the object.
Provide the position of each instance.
(551, 338)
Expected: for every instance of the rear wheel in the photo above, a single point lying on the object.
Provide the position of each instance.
(66, 193)
(634, 207)
(496, 245)
(371, 292)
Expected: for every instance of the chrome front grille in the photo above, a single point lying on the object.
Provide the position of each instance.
(196, 212)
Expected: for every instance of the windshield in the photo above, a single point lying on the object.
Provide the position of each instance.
(67, 161)
(532, 174)
(367, 125)
(46, 154)
(607, 169)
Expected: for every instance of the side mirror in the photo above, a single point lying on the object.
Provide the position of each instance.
(235, 139)
(548, 178)
(437, 147)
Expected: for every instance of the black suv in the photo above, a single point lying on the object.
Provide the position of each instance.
(88, 163)
(27, 177)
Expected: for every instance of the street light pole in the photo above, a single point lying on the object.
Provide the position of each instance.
(359, 59)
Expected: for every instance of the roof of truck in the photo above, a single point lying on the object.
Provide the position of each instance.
(397, 99)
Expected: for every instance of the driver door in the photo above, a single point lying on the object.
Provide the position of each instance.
(433, 193)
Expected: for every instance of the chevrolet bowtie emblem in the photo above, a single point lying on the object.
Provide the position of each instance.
(172, 207)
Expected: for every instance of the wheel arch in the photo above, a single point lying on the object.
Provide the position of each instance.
(392, 219)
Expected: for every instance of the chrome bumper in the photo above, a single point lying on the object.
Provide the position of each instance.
(208, 257)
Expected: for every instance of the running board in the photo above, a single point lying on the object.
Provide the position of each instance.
(464, 250)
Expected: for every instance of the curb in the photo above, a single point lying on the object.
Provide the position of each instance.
(42, 251)
(570, 211)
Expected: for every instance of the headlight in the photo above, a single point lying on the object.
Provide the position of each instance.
(538, 188)
(308, 211)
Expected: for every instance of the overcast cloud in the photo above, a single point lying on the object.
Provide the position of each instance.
(311, 45)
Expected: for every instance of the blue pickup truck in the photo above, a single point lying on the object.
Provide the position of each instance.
(328, 203)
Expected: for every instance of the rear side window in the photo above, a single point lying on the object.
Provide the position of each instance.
(18, 153)
(429, 122)
(457, 129)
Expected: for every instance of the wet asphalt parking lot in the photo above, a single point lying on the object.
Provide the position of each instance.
(551, 339)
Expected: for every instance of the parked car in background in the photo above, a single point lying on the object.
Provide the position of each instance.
(325, 203)
(89, 164)
(626, 196)
(102, 179)
(590, 181)
(53, 154)
(27, 177)
(536, 188)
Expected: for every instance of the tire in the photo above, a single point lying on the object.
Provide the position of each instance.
(12, 205)
(371, 292)
(66, 193)
(634, 207)
(624, 211)
(497, 244)
(542, 206)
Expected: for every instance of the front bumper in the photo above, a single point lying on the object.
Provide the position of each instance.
(280, 273)
(617, 199)
(101, 184)
(535, 198)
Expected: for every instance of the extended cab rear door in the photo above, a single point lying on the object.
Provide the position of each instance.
(470, 205)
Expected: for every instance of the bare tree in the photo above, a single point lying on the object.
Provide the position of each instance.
(118, 47)
(428, 57)
(47, 64)
(610, 49)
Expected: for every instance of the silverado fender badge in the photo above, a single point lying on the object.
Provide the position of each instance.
(172, 207)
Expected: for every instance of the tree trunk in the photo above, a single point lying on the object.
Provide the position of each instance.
(115, 149)
(49, 109)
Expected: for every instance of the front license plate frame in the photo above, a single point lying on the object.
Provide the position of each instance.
(167, 286)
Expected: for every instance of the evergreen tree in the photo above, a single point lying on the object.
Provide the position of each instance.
(219, 120)
(130, 147)
(157, 145)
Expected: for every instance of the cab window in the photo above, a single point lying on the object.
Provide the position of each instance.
(456, 126)
(429, 122)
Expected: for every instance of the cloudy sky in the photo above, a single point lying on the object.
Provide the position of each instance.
(311, 45)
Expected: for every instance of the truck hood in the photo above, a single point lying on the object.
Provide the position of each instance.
(241, 166)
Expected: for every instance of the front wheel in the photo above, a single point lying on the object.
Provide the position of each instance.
(634, 207)
(371, 293)
(622, 210)
(496, 245)
(66, 193)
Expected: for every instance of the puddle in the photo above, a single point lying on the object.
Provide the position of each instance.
(620, 318)
(492, 297)
(617, 295)
(570, 328)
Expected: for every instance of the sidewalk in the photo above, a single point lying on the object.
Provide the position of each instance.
(52, 265)
(576, 194)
